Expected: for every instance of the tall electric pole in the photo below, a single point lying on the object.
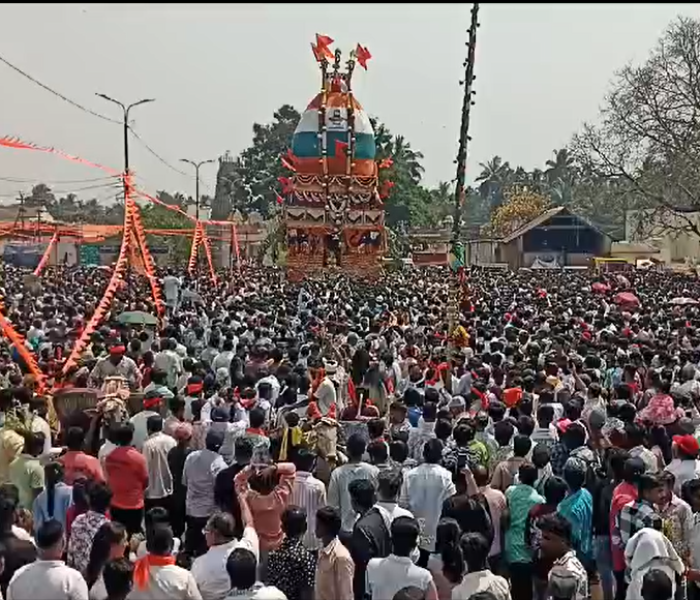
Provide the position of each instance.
(464, 129)
(196, 166)
(125, 110)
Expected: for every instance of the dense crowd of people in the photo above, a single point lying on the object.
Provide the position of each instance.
(344, 440)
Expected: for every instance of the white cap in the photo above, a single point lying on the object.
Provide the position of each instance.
(268, 592)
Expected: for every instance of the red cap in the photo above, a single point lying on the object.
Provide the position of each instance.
(687, 443)
(194, 388)
(563, 424)
(117, 350)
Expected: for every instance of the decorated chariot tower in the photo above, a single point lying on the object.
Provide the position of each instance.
(333, 212)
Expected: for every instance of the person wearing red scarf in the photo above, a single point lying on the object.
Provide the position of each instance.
(156, 575)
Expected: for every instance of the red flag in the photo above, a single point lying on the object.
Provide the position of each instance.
(320, 48)
(385, 189)
(280, 200)
(323, 41)
(318, 55)
(286, 164)
(363, 55)
(287, 186)
(341, 148)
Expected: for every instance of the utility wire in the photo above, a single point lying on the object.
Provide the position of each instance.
(95, 114)
(59, 181)
(158, 156)
(161, 159)
(55, 93)
(104, 186)
(115, 185)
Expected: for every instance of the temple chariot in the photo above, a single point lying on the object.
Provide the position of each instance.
(333, 213)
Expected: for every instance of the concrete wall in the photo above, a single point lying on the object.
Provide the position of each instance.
(667, 231)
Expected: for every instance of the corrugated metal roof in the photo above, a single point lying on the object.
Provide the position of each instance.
(544, 217)
(547, 214)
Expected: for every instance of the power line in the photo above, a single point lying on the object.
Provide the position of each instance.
(161, 159)
(95, 114)
(57, 181)
(104, 186)
(55, 93)
(114, 185)
(158, 156)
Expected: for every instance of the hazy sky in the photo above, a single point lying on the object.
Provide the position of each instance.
(541, 70)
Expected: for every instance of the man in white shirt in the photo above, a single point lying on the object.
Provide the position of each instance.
(242, 569)
(171, 290)
(478, 577)
(425, 489)
(266, 378)
(115, 365)
(224, 358)
(107, 448)
(155, 451)
(169, 361)
(386, 576)
(325, 394)
(685, 465)
(308, 493)
(199, 476)
(151, 404)
(48, 577)
(389, 483)
(209, 570)
(343, 476)
(156, 576)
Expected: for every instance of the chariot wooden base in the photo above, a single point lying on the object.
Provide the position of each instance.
(360, 266)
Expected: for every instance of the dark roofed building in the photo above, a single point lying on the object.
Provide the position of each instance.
(557, 237)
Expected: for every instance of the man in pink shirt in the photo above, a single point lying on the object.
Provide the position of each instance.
(77, 464)
(267, 491)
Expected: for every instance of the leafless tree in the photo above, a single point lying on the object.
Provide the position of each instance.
(648, 134)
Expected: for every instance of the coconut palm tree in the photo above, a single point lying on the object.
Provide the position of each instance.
(441, 202)
(382, 138)
(494, 177)
(562, 167)
(408, 158)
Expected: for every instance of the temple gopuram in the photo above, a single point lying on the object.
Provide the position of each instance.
(333, 213)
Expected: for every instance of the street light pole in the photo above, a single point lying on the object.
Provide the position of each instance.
(196, 166)
(125, 110)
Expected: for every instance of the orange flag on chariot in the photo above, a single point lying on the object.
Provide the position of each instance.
(321, 52)
(363, 55)
(323, 41)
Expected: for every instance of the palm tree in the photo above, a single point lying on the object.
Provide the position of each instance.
(410, 159)
(382, 138)
(521, 176)
(562, 167)
(441, 202)
(494, 177)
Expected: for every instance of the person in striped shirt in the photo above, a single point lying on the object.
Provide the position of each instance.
(308, 493)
